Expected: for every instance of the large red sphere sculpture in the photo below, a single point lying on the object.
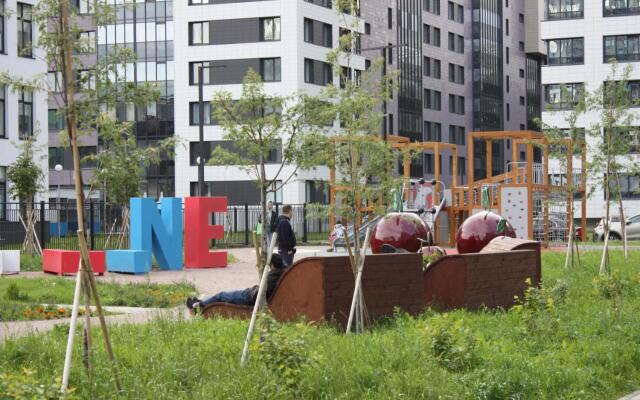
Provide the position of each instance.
(478, 230)
(401, 230)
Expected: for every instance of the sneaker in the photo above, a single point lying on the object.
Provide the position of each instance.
(191, 302)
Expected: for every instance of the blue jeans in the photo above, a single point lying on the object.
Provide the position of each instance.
(287, 259)
(241, 297)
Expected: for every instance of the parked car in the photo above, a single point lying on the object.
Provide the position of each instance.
(615, 229)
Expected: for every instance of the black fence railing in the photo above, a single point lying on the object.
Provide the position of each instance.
(56, 225)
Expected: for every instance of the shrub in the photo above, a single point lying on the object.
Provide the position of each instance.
(452, 343)
(537, 310)
(285, 352)
(12, 293)
(26, 386)
(610, 287)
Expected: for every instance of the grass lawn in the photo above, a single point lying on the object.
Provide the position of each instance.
(56, 290)
(576, 338)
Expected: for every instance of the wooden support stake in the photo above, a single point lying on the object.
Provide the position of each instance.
(358, 282)
(72, 329)
(258, 304)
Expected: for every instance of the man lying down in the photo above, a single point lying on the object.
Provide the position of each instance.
(244, 297)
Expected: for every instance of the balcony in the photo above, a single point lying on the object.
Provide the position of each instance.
(620, 12)
(561, 15)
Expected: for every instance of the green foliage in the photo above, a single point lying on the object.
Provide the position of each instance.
(54, 290)
(452, 343)
(25, 385)
(285, 351)
(24, 173)
(30, 262)
(591, 355)
(537, 310)
(12, 293)
(611, 287)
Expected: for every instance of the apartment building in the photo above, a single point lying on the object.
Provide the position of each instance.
(287, 42)
(464, 65)
(23, 113)
(61, 181)
(582, 38)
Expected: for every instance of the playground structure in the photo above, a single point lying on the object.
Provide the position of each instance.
(538, 207)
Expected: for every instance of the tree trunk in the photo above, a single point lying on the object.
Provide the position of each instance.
(623, 221)
(604, 262)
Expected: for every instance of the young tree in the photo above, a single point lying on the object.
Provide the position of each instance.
(557, 150)
(362, 160)
(26, 178)
(259, 125)
(611, 148)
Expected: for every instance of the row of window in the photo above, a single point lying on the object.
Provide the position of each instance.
(574, 9)
(456, 12)
(269, 70)
(135, 32)
(25, 113)
(432, 100)
(318, 33)
(566, 96)
(570, 51)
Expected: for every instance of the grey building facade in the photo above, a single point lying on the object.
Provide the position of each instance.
(474, 71)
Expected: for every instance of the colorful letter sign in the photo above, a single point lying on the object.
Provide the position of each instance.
(159, 232)
(199, 232)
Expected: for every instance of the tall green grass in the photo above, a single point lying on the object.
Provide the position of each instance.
(569, 340)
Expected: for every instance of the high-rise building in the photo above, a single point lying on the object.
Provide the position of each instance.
(286, 42)
(61, 182)
(464, 65)
(146, 27)
(23, 113)
(582, 38)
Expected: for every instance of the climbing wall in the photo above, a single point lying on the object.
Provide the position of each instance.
(515, 209)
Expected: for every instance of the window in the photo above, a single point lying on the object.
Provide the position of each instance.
(521, 18)
(432, 99)
(389, 18)
(452, 10)
(432, 131)
(88, 42)
(321, 3)
(521, 46)
(457, 135)
(452, 42)
(391, 123)
(389, 53)
(270, 29)
(622, 48)
(431, 35)
(508, 111)
(432, 68)
(3, 110)
(199, 33)
(456, 73)
(634, 92)
(565, 9)
(426, 33)
(521, 100)
(2, 38)
(85, 80)
(56, 120)
(84, 6)
(566, 51)
(629, 186)
(521, 73)
(456, 43)
(207, 72)
(25, 114)
(317, 72)
(426, 66)
(456, 104)
(508, 84)
(462, 166)
(3, 193)
(507, 55)
(367, 28)
(563, 96)
(506, 26)
(460, 16)
(436, 37)
(308, 30)
(615, 8)
(25, 33)
(432, 6)
(270, 69)
(194, 113)
(437, 69)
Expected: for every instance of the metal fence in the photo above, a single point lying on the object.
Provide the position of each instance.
(56, 225)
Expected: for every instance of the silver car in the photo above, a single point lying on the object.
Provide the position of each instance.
(615, 229)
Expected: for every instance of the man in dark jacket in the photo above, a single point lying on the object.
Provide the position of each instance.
(245, 297)
(286, 237)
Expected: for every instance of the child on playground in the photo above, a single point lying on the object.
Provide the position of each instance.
(245, 297)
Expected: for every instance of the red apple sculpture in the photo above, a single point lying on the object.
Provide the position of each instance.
(479, 229)
(401, 230)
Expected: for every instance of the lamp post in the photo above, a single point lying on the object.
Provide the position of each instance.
(58, 169)
(201, 69)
